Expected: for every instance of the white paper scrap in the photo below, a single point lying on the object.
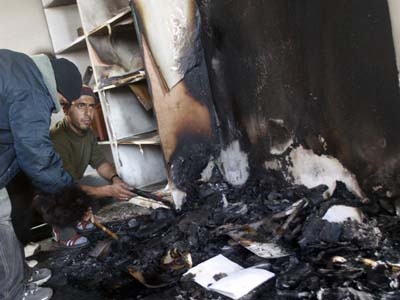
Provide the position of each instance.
(240, 283)
(342, 213)
(205, 271)
(236, 281)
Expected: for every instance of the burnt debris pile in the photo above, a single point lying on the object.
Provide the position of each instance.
(318, 246)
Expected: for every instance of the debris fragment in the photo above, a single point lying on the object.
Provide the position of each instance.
(176, 260)
(342, 213)
(101, 250)
(266, 223)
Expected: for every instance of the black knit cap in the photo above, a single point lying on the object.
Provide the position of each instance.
(87, 91)
(68, 78)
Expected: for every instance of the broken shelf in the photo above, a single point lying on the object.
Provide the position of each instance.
(118, 19)
(117, 81)
(78, 44)
(159, 187)
(56, 3)
(149, 138)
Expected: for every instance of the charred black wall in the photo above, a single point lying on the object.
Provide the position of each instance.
(326, 68)
(254, 64)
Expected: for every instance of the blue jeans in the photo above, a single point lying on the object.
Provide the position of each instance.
(11, 260)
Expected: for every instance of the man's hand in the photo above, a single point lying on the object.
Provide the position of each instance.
(120, 190)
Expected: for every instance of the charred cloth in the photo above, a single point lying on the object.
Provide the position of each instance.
(318, 247)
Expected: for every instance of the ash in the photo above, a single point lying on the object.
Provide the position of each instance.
(326, 260)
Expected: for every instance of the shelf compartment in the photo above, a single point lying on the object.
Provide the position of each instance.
(149, 138)
(141, 165)
(120, 22)
(126, 116)
(116, 55)
(57, 3)
(63, 23)
(97, 14)
(78, 44)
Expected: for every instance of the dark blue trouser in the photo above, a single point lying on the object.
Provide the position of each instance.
(11, 260)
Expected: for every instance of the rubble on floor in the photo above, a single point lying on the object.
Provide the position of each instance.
(291, 231)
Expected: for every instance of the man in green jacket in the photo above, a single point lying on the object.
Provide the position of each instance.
(77, 146)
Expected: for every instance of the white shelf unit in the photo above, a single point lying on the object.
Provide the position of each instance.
(98, 13)
(63, 21)
(109, 44)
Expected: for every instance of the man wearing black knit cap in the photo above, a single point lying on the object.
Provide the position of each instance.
(77, 146)
(30, 90)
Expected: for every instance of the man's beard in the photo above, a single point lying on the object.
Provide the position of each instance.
(85, 129)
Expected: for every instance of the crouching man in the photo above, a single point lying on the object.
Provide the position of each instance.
(30, 90)
(75, 142)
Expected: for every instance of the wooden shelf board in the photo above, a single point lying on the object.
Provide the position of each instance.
(114, 82)
(103, 28)
(149, 138)
(157, 187)
(56, 3)
(78, 44)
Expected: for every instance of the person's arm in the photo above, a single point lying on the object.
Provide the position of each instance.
(107, 170)
(118, 189)
(29, 117)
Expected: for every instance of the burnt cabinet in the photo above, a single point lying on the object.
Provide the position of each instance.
(101, 34)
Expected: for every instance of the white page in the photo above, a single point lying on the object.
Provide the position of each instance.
(240, 283)
(205, 271)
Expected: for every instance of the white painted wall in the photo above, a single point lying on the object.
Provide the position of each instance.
(23, 26)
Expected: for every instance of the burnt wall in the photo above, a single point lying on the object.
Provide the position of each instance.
(254, 65)
(325, 68)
